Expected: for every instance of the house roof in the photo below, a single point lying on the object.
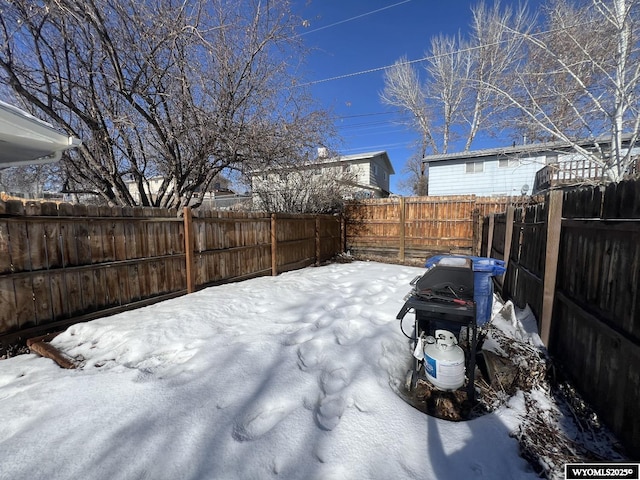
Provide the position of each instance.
(515, 150)
(354, 158)
(27, 140)
(363, 157)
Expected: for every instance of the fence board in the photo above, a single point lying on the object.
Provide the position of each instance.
(9, 310)
(25, 308)
(5, 256)
(19, 247)
(36, 246)
(73, 295)
(57, 288)
(87, 291)
(83, 243)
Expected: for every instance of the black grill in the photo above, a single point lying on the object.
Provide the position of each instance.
(442, 298)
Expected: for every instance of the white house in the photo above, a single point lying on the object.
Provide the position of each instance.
(371, 172)
(366, 175)
(517, 170)
(151, 187)
(217, 197)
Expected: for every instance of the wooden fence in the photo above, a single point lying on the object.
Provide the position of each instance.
(417, 227)
(575, 259)
(60, 264)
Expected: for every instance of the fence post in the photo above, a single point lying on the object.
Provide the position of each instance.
(402, 230)
(508, 238)
(554, 227)
(188, 249)
(477, 221)
(343, 234)
(490, 234)
(317, 240)
(274, 246)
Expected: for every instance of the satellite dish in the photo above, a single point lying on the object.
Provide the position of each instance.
(524, 189)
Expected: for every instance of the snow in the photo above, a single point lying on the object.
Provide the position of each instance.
(290, 377)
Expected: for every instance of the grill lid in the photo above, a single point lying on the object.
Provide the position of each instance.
(450, 277)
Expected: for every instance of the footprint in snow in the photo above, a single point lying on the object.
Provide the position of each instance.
(260, 421)
(298, 337)
(329, 411)
(331, 405)
(311, 354)
(377, 317)
(349, 332)
(334, 381)
(323, 321)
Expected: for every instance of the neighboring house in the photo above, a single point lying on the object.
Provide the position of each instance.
(362, 175)
(511, 171)
(219, 198)
(372, 173)
(27, 140)
(151, 187)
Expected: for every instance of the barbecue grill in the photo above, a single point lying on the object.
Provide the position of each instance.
(442, 299)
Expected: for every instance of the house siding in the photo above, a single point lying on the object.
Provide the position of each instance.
(449, 177)
(360, 167)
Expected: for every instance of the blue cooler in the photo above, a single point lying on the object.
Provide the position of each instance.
(483, 269)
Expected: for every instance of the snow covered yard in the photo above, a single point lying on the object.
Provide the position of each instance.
(290, 377)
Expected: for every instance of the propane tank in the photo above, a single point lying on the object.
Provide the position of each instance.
(444, 361)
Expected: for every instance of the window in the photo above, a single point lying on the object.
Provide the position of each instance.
(474, 167)
(552, 159)
(374, 169)
(506, 162)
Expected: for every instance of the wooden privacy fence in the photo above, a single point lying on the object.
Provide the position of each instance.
(60, 264)
(575, 259)
(417, 227)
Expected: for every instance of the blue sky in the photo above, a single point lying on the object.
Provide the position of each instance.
(351, 36)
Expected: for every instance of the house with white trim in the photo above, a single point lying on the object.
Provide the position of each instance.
(511, 171)
(364, 175)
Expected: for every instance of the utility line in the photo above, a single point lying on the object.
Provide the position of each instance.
(430, 57)
(391, 112)
(353, 18)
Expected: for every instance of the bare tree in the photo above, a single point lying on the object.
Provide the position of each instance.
(492, 52)
(314, 187)
(580, 80)
(415, 180)
(178, 90)
(448, 70)
(30, 181)
(403, 89)
(453, 102)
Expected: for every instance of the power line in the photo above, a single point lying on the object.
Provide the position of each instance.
(397, 110)
(364, 124)
(354, 18)
(429, 57)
